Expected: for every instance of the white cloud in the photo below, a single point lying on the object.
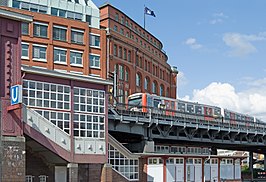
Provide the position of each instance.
(192, 43)
(251, 101)
(240, 44)
(218, 18)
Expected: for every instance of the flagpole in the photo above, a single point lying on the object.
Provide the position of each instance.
(144, 16)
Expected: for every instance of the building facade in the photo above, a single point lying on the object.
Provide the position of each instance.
(136, 57)
(60, 129)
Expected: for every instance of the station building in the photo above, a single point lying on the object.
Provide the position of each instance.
(59, 54)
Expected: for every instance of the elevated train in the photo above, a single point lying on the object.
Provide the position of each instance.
(142, 102)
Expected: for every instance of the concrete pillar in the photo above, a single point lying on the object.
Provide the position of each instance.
(251, 164)
(13, 159)
(73, 172)
(107, 173)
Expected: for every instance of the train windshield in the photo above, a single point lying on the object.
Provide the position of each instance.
(134, 102)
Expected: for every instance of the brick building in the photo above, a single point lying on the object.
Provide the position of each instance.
(136, 56)
(61, 53)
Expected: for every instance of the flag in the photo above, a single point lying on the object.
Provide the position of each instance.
(147, 11)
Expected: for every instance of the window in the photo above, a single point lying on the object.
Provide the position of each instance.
(122, 20)
(59, 33)
(129, 56)
(115, 50)
(39, 52)
(127, 167)
(46, 95)
(116, 17)
(76, 58)
(58, 12)
(40, 29)
(120, 52)
(121, 72)
(126, 75)
(73, 15)
(60, 55)
(161, 90)
(125, 54)
(25, 28)
(122, 31)
(138, 80)
(94, 61)
(146, 83)
(94, 40)
(58, 118)
(88, 125)
(154, 87)
(24, 50)
(115, 28)
(89, 101)
(77, 36)
(88, 19)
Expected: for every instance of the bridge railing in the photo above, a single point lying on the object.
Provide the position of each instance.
(189, 118)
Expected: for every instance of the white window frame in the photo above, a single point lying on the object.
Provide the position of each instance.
(62, 28)
(93, 61)
(39, 59)
(39, 33)
(25, 57)
(76, 64)
(93, 45)
(75, 37)
(58, 61)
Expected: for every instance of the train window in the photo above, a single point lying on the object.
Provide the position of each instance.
(134, 102)
(217, 111)
(198, 110)
(173, 105)
(190, 108)
(208, 111)
(149, 101)
(181, 107)
(238, 117)
(226, 115)
(156, 103)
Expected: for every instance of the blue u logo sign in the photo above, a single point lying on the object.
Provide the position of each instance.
(16, 94)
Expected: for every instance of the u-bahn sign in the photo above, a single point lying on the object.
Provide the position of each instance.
(16, 94)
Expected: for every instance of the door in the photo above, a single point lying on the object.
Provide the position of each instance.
(60, 174)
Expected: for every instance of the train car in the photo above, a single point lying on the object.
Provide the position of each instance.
(145, 102)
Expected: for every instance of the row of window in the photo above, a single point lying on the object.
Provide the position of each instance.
(54, 11)
(60, 33)
(139, 41)
(123, 75)
(126, 55)
(180, 150)
(60, 55)
(158, 161)
(137, 30)
(29, 6)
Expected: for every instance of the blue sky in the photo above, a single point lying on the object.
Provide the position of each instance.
(218, 46)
